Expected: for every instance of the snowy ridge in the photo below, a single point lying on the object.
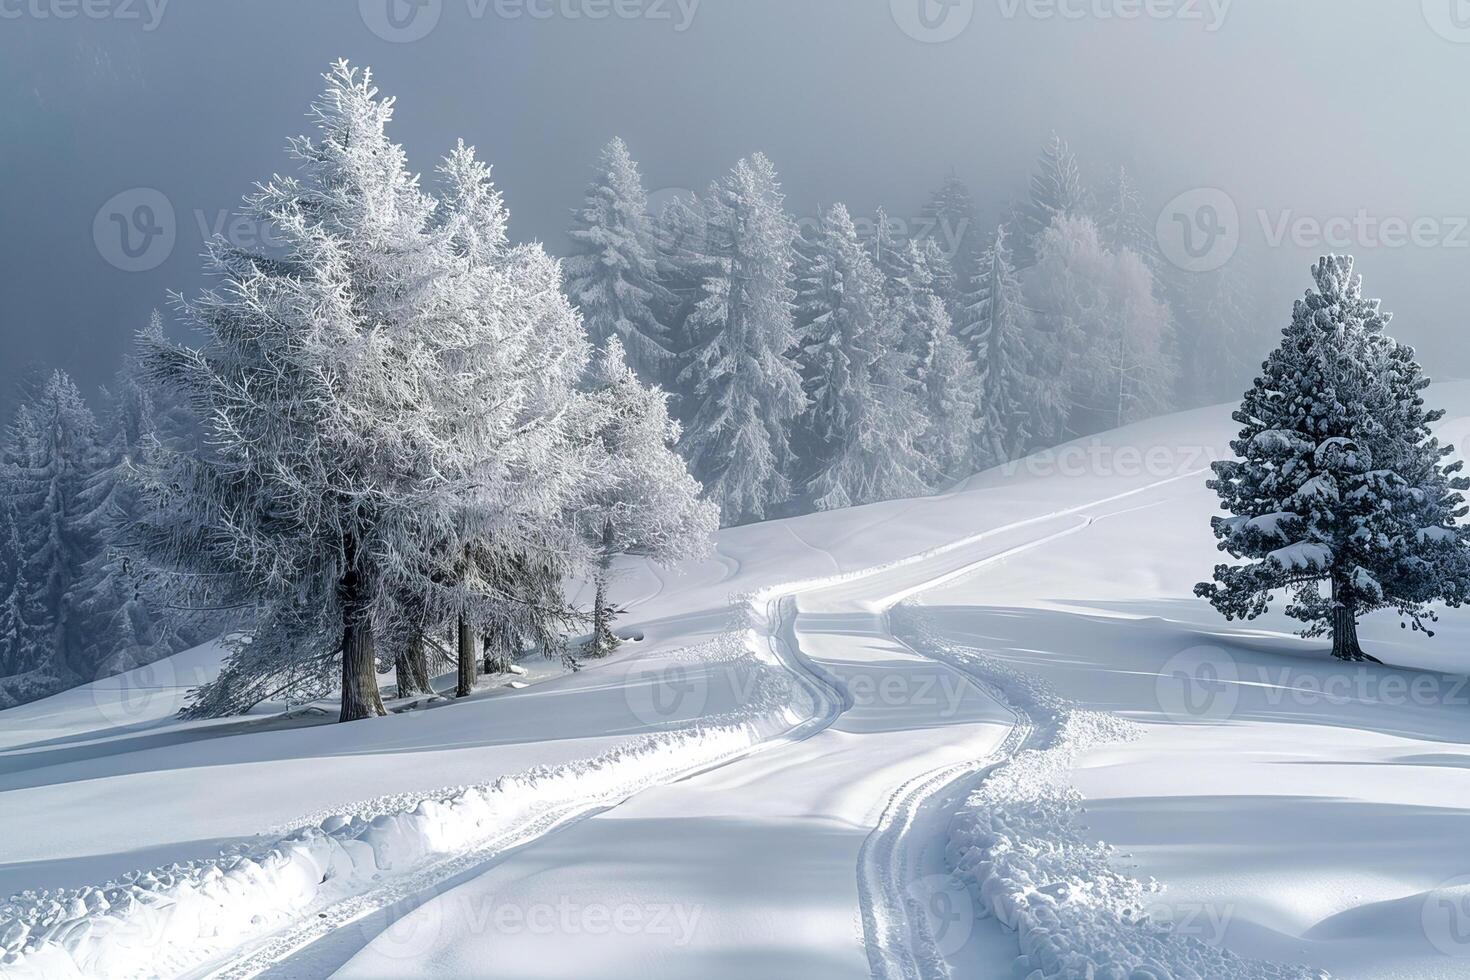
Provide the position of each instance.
(170, 920)
(1019, 846)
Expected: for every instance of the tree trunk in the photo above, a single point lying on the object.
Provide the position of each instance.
(468, 662)
(360, 697)
(604, 641)
(497, 653)
(411, 670)
(1345, 644)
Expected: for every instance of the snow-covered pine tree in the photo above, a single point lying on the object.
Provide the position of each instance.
(744, 392)
(915, 272)
(127, 621)
(349, 405)
(864, 419)
(1056, 191)
(1122, 222)
(998, 328)
(919, 281)
(949, 218)
(17, 636)
(894, 437)
(1338, 479)
(683, 262)
(646, 502)
(52, 453)
(891, 255)
(1108, 332)
(310, 388)
(954, 434)
(529, 460)
(613, 276)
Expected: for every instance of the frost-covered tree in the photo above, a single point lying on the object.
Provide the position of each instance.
(129, 623)
(312, 390)
(613, 275)
(1056, 192)
(914, 273)
(998, 327)
(52, 453)
(1122, 222)
(744, 392)
(949, 218)
(954, 440)
(522, 429)
(1110, 328)
(683, 263)
(1338, 479)
(864, 420)
(645, 502)
(19, 617)
(349, 388)
(920, 283)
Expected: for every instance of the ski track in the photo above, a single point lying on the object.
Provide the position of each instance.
(732, 564)
(899, 941)
(330, 936)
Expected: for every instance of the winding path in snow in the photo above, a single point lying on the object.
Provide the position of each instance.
(893, 730)
(757, 857)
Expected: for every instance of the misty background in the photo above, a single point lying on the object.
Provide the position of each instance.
(1316, 110)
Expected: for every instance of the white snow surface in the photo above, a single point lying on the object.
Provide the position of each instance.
(808, 791)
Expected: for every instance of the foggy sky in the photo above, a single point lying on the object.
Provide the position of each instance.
(1296, 109)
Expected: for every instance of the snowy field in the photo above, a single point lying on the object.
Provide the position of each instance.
(877, 742)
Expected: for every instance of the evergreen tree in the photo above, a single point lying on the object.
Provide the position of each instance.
(1338, 479)
(52, 453)
(683, 262)
(891, 254)
(949, 219)
(1056, 192)
(613, 277)
(1122, 223)
(127, 622)
(1109, 329)
(952, 400)
(528, 465)
(915, 273)
(645, 502)
(863, 420)
(355, 388)
(997, 327)
(17, 633)
(744, 389)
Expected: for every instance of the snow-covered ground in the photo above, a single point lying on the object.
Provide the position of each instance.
(788, 777)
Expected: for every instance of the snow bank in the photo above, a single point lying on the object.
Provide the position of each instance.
(165, 921)
(1019, 847)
